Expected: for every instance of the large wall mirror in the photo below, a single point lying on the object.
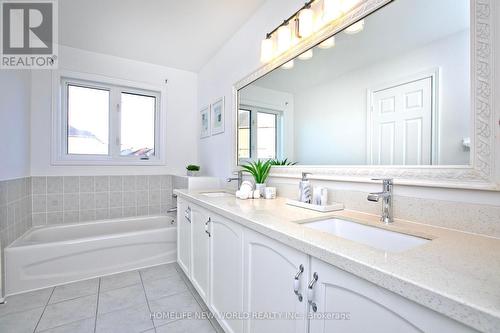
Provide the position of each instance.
(396, 89)
(396, 92)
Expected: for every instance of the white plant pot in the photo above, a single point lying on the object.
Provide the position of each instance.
(260, 188)
(192, 173)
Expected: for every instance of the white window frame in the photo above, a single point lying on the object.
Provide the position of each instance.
(254, 110)
(60, 81)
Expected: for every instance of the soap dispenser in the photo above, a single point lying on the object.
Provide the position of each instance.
(305, 192)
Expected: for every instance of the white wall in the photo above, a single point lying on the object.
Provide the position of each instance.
(327, 114)
(181, 148)
(15, 87)
(238, 58)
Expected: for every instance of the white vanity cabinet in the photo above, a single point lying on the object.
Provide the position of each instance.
(246, 278)
(226, 272)
(200, 259)
(184, 217)
(355, 305)
(210, 252)
(270, 272)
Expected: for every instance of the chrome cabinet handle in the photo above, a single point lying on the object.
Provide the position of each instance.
(296, 283)
(310, 292)
(206, 226)
(187, 214)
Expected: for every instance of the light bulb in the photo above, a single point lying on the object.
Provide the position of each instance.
(319, 22)
(347, 5)
(284, 38)
(306, 55)
(306, 22)
(331, 10)
(328, 43)
(288, 65)
(355, 28)
(266, 50)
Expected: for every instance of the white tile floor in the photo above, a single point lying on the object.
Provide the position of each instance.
(119, 303)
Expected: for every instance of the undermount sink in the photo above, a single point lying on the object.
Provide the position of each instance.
(378, 238)
(217, 194)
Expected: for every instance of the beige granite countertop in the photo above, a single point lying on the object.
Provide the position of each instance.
(456, 273)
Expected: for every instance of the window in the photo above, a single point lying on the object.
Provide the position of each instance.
(137, 125)
(266, 135)
(244, 134)
(88, 121)
(259, 134)
(104, 123)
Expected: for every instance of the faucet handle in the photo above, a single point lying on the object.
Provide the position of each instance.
(305, 174)
(389, 181)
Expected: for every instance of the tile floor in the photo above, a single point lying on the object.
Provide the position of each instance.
(118, 303)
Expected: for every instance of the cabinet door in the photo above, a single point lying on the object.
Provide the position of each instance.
(270, 270)
(349, 304)
(184, 236)
(200, 250)
(226, 272)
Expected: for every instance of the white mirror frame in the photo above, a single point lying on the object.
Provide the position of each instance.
(480, 174)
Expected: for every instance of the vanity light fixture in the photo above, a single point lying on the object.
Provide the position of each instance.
(288, 65)
(305, 22)
(267, 50)
(355, 28)
(327, 43)
(306, 55)
(284, 38)
(331, 10)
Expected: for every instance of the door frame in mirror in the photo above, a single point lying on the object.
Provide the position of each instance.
(482, 173)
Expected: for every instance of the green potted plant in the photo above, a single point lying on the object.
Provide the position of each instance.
(259, 170)
(285, 162)
(193, 170)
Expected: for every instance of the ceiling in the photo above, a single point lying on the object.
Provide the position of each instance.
(396, 29)
(183, 34)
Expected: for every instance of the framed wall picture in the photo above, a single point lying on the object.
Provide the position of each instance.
(205, 122)
(217, 116)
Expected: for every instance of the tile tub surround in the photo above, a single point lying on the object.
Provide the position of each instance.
(118, 303)
(72, 199)
(15, 209)
(469, 217)
(455, 274)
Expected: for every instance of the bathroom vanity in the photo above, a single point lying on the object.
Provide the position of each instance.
(254, 260)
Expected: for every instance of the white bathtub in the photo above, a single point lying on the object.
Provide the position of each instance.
(51, 255)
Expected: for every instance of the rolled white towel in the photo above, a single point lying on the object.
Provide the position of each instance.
(246, 186)
(242, 195)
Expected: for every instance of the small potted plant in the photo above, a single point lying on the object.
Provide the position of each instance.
(259, 170)
(193, 170)
(285, 162)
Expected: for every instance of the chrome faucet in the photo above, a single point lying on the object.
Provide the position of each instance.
(386, 195)
(239, 178)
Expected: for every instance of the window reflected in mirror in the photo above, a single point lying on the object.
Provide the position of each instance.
(266, 135)
(244, 134)
(259, 131)
(393, 89)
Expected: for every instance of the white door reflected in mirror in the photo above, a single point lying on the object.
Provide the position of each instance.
(401, 124)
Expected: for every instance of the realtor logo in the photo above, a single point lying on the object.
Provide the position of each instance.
(28, 34)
